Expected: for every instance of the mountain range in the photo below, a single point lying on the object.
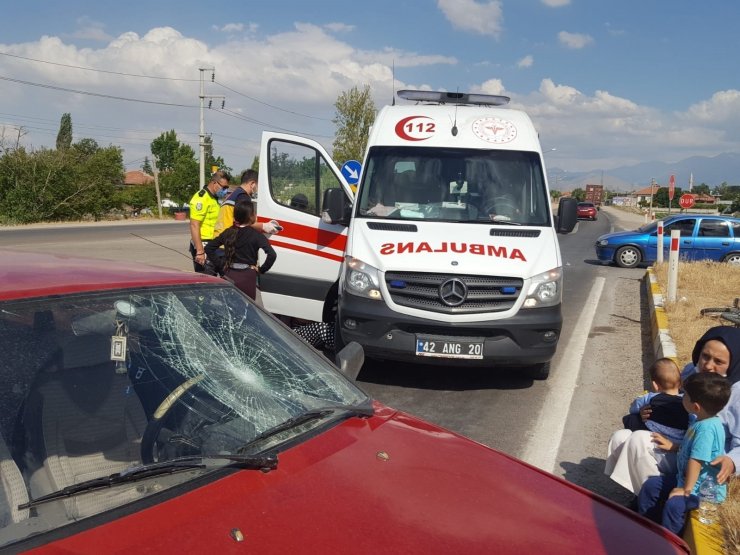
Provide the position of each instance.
(713, 171)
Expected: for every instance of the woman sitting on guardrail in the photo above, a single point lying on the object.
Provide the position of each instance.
(632, 456)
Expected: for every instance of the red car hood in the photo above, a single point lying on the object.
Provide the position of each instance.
(388, 484)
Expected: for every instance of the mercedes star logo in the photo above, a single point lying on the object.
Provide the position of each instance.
(453, 292)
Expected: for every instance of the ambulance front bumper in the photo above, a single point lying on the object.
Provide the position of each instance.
(530, 337)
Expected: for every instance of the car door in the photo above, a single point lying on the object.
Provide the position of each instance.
(294, 174)
(686, 226)
(713, 239)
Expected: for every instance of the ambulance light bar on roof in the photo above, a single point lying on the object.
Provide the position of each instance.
(453, 97)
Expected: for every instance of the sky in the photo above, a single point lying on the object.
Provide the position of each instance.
(606, 83)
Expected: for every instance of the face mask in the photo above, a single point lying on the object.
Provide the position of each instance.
(222, 193)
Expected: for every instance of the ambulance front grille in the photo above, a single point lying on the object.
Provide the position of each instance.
(481, 293)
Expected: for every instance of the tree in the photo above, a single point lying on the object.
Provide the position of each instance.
(355, 113)
(181, 180)
(702, 189)
(178, 168)
(64, 136)
(146, 167)
(59, 185)
(555, 194)
(578, 194)
(212, 160)
(165, 148)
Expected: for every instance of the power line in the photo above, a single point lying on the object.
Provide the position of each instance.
(100, 95)
(239, 116)
(96, 69)
(270, 105)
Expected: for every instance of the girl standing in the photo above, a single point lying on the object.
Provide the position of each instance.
(241, 248)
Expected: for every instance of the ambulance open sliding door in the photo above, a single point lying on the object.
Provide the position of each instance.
(294, 173)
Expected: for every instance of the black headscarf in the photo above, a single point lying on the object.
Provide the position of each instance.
(728, 335)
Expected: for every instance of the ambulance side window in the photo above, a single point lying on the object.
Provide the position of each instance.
(298, 176)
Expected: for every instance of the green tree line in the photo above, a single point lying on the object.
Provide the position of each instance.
(84, 181)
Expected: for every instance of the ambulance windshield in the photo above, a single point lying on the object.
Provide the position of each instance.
(454, 185)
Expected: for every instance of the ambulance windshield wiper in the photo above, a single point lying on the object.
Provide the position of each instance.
(503, 222)
(140, 472)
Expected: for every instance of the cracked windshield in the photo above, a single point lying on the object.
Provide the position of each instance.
(460, 185)
(103, 384)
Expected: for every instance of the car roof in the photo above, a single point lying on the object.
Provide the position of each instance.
(25, 275)
(703, 217)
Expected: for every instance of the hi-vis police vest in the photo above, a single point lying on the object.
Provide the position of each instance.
(204, 208)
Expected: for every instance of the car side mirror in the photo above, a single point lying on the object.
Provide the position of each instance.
(350, 360)
(567, 215)
(336, 207)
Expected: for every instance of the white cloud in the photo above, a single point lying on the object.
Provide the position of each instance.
(574, 40)
(88, 29)
(484, 18)
(721, 108)
(492, 86)
(527, 61)
(303, 70)
(230, 28)
(339, 27)
(556, 3)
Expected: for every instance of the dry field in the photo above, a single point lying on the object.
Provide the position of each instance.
(701, 285)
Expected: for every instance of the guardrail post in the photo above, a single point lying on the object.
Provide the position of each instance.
(673, 265)
(660, 242)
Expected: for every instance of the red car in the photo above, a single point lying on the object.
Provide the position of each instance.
(151, 410)
(587, 210)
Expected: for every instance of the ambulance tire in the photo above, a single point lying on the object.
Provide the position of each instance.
(539, 371)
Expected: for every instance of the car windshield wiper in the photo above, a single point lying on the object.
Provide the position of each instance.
(364, 409)
(140, 472)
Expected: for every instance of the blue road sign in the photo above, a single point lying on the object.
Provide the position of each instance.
(351, 171)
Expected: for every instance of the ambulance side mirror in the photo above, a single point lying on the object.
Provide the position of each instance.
(335, 207)
(567, 215)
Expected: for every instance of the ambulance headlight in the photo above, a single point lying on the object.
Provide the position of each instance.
(361, 279)
(545, 289)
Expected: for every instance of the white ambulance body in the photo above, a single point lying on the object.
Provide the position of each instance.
(447, 253)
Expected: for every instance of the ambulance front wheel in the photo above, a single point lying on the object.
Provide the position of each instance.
(539, 371)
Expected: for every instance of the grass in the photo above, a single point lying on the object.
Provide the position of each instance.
(729, 514)
(701, 285)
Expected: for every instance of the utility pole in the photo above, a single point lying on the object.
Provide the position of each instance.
(156, 185)
(202, 134)
(652, 188)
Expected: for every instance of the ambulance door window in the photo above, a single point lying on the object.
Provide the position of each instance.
(298, 176)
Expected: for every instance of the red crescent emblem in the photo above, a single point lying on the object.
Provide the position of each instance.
(410, 130)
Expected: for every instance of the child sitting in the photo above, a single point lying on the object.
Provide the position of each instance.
(668, 416)
(667, 498)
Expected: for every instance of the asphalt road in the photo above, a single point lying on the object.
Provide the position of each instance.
(561, 425)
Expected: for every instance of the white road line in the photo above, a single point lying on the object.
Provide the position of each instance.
(544, 440)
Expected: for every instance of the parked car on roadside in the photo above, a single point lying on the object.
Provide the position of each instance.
(587, 210)
(144, 409)
(703, 237)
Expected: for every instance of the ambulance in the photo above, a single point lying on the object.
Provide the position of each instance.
(447, 253)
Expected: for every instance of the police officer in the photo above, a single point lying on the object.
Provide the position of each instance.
(204, 209)
(245, 190)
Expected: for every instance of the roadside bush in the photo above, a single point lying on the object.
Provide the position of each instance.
(59, 185)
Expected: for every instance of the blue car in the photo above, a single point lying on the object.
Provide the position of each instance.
(702, 238)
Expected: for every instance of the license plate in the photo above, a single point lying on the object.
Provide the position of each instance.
(445, 347)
